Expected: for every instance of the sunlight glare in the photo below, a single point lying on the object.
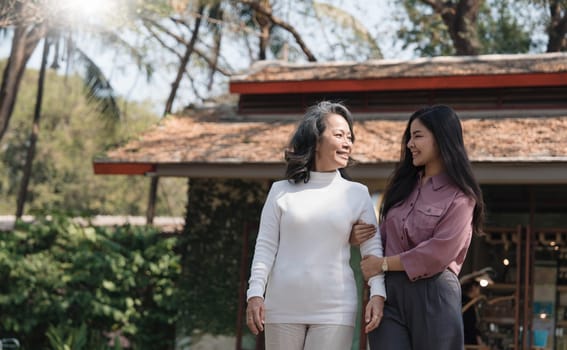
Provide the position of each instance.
(87, 10)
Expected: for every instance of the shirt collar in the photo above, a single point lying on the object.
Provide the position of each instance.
(437, 181)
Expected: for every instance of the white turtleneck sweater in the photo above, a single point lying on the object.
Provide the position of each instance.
(302, 253)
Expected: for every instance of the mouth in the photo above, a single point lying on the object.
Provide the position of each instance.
(343, 155)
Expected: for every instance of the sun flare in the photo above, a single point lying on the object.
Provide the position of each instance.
(85, 10)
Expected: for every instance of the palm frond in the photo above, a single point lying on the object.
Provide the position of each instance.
(349, 22)
(98, 88)
(138, 55)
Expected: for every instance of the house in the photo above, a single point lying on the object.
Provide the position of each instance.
(514, 114)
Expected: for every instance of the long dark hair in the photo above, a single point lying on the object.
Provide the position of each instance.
(445, 125)
(300, 153)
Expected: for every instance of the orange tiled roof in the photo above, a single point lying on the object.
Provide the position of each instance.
(203, 137)
(272, 71)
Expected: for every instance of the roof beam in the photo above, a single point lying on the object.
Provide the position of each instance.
(400, 84)
(486, 172)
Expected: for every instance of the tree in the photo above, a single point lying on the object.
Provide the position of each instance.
(557, 29)
(71, 135)
(556, 23)
(26, 37)
(460, 18)
(35, 132)
(184, 60)
(464, 27)
(266, 20)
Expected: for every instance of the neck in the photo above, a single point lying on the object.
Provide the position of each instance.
(432, 170)
(320, 169)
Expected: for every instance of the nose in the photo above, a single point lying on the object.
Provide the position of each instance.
(410, 143)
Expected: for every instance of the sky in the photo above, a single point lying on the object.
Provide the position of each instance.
(130, 84)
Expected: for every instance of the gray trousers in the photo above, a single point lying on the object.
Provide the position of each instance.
(420, 315)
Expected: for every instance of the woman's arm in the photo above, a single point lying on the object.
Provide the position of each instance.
(373, 247)
(372, 265)
(266, 245)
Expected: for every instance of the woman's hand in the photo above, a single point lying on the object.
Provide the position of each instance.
(371, 266)
(361, 232)
(255, 315)
(373, 313)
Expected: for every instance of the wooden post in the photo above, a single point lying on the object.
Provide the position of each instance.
(526, 337)
(517, 292)
(151, 212)
(242, 289)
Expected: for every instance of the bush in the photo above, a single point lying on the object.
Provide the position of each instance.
(57, 275)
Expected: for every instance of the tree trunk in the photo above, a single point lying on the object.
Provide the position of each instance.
(461, 21)
(265, 24)
(184, 62)
(557, 28)
(23, 45)
(22, 194)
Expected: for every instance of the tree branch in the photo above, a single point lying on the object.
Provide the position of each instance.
(281, 23)
(181, 41)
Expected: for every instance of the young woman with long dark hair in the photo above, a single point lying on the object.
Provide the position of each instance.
(430, 209)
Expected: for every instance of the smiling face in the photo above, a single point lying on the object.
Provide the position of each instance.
(423, 148)
(334, 146)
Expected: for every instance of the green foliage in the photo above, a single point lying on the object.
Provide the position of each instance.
(212, 248)
(425, 30)
(501, 29)
(56, 276)
(71, 134)
(61, 339)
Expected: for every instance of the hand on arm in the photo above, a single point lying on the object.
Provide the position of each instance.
(255, 315)
(361, 232)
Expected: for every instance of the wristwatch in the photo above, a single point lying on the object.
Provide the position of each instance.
(384, 264)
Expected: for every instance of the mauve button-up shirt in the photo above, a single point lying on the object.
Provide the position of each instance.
(431, 230)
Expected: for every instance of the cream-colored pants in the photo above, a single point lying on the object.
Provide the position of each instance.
(287, 336)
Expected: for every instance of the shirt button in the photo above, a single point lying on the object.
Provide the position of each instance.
(411, 204)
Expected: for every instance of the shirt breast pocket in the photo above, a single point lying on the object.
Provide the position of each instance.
(426, 218)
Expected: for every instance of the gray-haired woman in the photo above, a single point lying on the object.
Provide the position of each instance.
(302, 288)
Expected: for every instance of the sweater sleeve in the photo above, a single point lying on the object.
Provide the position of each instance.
(373, 246)
(267, 244)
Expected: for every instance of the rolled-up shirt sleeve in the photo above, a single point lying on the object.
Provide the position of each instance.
(266, 246)
(373, 246)
(448, 244)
